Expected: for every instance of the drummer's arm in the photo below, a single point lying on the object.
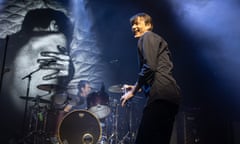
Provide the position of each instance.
(68, 107)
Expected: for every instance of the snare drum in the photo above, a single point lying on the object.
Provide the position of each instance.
(79, 127)
(98, 104)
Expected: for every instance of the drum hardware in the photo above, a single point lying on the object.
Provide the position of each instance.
(87, 138)
(49, 87)
(119, 88)
(130, 135)
(29, 76)
(113, 138)
(35, 99)
(106, 129)
(116, 88)
(103, 140)
(35, 117)
(37, 121)
(61, 98)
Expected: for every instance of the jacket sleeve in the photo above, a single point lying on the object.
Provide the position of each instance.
(148, 45)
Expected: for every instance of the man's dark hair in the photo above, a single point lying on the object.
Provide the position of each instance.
(82, 84)
(147, 18)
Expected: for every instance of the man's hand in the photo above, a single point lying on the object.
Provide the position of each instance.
(126, 97)
(127, 87)
(128, 93)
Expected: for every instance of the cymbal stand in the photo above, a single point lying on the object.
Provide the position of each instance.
(33, 122)
(36, 124)
(130, 124)
(113, 139)
(129, 136)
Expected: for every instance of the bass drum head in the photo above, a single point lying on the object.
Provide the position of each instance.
(79, 127)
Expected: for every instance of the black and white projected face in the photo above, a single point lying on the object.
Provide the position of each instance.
(41, 58)
(38, 61)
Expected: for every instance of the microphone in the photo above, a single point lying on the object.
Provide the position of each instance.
(113, 61)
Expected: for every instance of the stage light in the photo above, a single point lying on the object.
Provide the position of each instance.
(214, 25)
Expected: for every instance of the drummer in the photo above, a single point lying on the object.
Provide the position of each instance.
(79, 101)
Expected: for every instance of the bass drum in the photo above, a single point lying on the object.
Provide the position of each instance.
(79, 127)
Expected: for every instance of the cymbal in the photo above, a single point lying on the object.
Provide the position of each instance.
(116, 88)
(34, 99)
(48, 87)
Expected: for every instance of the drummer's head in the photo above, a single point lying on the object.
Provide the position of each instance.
(84, 88)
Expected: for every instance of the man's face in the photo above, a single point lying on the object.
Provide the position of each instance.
(86, 90)
(139, 27)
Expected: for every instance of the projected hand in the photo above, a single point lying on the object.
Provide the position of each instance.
(58, 61)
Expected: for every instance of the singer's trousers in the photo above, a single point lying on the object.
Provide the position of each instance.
(157, 123)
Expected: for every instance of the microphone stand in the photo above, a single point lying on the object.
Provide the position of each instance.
(29, 76)
(113, 139)
(130, 118)
(3, 63)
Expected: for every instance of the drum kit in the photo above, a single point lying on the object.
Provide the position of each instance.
(98, 124)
